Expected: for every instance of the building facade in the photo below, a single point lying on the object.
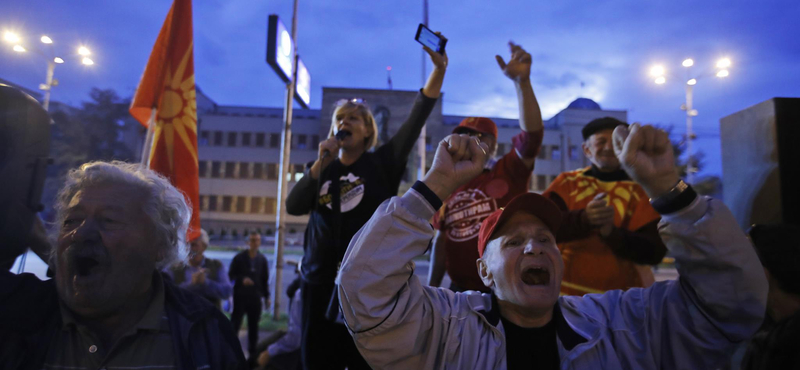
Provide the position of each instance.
(239, 152)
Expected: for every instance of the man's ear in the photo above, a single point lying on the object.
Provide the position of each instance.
(484, 273)
(586, 151)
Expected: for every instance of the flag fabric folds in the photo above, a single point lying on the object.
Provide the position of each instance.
(168, 86)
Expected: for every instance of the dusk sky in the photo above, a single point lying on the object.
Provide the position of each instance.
(608, 45)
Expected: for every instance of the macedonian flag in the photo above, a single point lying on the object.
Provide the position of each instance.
(167, 86)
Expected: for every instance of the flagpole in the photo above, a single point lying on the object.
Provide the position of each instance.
(422, 141)
(148, 139)
(280, 222)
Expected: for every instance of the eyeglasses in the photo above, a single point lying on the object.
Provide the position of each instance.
(471, 133)
(355, 101)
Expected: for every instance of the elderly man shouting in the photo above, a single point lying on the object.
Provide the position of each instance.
(689, 323)
(108, 306)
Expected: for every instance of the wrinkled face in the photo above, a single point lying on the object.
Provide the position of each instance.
(523, 266)
(351, 120)
(254, 241)
(106, 251)
(196, 250)
(599, 149)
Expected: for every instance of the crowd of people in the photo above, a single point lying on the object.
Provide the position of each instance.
(552, 281)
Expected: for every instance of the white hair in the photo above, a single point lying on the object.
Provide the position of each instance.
(164, 205)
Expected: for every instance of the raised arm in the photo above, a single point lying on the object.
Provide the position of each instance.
(387, 310)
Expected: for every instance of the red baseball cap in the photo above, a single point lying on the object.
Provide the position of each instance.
(480, 124)
(532, 203)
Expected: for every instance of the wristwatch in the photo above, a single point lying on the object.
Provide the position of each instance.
(680, 196)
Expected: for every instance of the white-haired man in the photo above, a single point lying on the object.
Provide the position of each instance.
(690, 323)
(204, 276)
(108, 306)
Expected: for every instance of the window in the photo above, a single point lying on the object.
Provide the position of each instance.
(299, 171)
(258, 171)
(215, 169)
(255, 204)
(541, 182)
(203, 141)
(217, 138)
(260, 139)
(270, 206)
(246, 136)
(202, 167)
(501, 149)
(542, 152)
(212, 203)
(274, 140)
(231, 139)
(555, 152)
(240, 203)
(552, 178)
(227, 203)
(314, 142)
(301, 141)
(272, 171)
(230, 170)
(203, 203)
(574, 153)
(244, 170)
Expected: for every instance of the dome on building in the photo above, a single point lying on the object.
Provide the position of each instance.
(584, 103)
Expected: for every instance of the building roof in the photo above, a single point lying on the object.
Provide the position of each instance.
(584, 103)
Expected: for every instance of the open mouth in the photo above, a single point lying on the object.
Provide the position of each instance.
(536, 276)
(85, 266)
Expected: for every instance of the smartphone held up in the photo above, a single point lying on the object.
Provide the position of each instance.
(430, 39)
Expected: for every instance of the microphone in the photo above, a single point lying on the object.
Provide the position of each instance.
(340, 136)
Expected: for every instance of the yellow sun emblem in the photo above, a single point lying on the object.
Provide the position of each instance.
(178, 111)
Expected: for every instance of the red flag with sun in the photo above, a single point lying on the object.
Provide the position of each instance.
(167, 85)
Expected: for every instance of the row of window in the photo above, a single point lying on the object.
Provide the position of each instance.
(247, 170)
(254, 139)
(553, 152)
(238, 204)
(543, 181)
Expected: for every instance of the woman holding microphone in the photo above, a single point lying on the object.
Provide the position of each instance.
(340, 191)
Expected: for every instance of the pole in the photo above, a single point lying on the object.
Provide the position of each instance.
(148, 139)
(48, 85)
(421, 142)
(689, 135)
(286, 135)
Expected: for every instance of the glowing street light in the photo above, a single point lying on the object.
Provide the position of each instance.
(87, 61)
(84, 51)
(657, 71)
(11, 37)
(688, 62)
(692, 82)
(19, 49)
(46, 40)
(723, 63)
(661, 80)
(58, 60)
(723, 73)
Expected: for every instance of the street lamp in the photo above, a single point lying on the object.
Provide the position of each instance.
(660, 73)
(51, 59)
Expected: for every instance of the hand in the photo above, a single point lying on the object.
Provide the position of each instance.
(439, 60)
(645, 153)
(458, 159)
(199, 277)
(329, 146)
(248, 282)
(600, 214)
(519, 66)
(263, 358)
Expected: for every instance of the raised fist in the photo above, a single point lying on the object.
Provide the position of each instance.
(458, 159)
(645, 153)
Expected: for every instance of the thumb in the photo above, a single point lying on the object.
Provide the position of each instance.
(620, 134)
(500, 62)
(599, 196)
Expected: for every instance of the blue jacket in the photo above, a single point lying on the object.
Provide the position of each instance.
(203, 337)
(694, 322)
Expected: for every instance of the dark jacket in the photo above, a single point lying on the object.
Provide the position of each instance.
(29, 316)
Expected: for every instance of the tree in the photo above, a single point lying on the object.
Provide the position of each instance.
(705, 185)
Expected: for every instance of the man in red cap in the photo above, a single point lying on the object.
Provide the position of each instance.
(690, 323)
(457, 223)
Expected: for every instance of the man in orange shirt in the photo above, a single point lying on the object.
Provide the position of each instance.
(609, 232)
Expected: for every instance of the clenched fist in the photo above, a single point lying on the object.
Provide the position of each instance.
(458, 159)
(645, 153)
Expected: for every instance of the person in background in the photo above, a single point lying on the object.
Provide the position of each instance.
(457, 223)
(609, 233)
(119, 224)
(690, 323)
(340, 191)
(249, 272)
(204, 276)
(777, 344)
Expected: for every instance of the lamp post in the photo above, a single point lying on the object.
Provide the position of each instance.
(51, 58)
(660, 74)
